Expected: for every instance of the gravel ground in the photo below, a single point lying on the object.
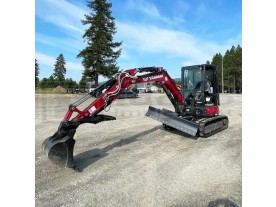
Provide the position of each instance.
(133, 161)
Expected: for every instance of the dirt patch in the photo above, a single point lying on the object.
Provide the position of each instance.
(59, 90)
(72, 97)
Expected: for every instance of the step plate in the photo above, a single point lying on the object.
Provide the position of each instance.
(173, 120)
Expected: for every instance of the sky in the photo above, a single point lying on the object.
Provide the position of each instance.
(166, 33)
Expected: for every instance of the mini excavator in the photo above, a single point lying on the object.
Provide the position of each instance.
(196, 105)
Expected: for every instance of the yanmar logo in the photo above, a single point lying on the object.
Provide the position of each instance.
(153, 77)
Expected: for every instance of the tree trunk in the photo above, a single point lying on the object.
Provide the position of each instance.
(96, 79)
(234, 84)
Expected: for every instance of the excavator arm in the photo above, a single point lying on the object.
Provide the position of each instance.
(59, 147)
(109, 91)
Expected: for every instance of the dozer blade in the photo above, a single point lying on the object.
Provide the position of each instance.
(59, 148)
(173, 120)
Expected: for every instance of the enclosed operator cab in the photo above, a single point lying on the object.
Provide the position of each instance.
(200, 87)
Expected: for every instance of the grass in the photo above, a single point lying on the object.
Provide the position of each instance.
(44, 91)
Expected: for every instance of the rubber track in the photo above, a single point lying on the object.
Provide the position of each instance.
(203, 123)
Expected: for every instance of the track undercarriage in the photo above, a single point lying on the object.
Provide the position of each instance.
(203, 127)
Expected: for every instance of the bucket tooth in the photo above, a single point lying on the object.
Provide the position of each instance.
(173, 120)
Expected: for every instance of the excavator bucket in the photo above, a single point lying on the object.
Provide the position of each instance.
(171, 119)
(59, 148)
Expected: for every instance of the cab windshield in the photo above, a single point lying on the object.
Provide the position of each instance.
(192, 79)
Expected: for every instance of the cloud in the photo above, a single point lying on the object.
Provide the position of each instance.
(45, 59)
(187, 63)
(235, 40)
(170, 43)
(74, 66)
(50, 61)
(124, 55)
(62, 14)
(66, 43)
(151, 11)
(147, 8)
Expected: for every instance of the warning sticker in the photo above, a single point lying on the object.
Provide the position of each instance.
(92, 109)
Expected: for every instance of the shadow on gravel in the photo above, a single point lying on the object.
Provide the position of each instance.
(222, 202)
(85, 159)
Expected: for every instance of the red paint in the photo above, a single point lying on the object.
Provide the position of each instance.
(212, 110)
(125, 79)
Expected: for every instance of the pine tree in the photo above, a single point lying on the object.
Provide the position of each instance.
(238, 55)
(217, 61)
(36, 73)
(83, 83)
(60, 70)
(232, 69)
(52, 83)
(99, 57)
(229, 68)
(44, 83)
